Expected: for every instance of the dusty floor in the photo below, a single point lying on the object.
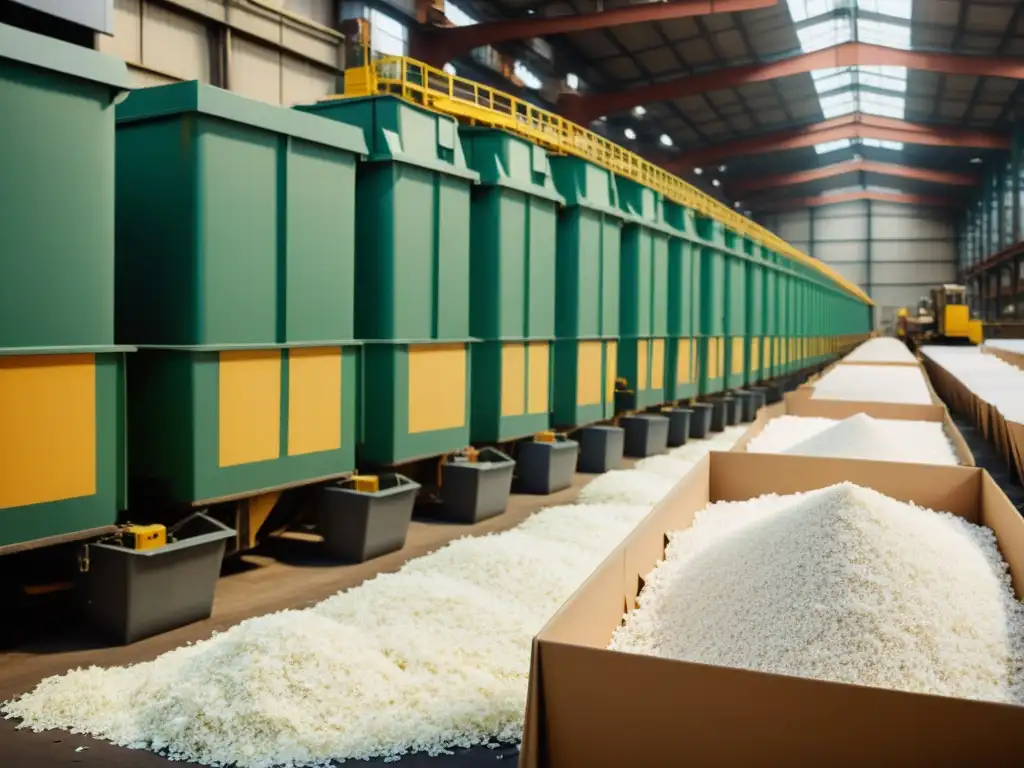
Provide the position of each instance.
(282, 573)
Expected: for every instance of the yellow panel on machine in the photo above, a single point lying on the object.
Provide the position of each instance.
(144, 536)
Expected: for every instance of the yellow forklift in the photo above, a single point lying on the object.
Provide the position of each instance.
(953, 321)
(944, 318)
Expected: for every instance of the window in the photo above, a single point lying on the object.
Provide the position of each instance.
(388, 36)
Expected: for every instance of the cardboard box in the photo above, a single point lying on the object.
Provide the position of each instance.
(1013, 358)
(589, 706)
(798, 404)
(1006, 435)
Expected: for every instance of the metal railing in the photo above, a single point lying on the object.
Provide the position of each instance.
(480, 104)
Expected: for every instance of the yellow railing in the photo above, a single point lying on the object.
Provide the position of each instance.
(482, 105)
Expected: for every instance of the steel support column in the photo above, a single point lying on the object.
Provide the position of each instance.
(810, 232)
(1000, 200)
(870, 244)
(1015, 155)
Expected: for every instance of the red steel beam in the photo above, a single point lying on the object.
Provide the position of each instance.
(776, 181)
(864, 194)
(584, 108)
(854, 126)
(438, 45)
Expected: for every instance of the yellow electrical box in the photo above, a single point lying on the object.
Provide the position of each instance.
(144, 536)
(545, 437)
(366, 483)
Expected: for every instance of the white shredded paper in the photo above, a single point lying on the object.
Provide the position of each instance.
(842, 584)
(432, 657)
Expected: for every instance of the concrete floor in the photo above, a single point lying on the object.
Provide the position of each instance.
(282, 573)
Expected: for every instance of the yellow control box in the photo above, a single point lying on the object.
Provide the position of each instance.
(145, 536)
(366, 483)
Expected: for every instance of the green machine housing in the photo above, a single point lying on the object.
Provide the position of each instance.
(413, 271)
(644, 296)
(235, 280)
(682, 358)
(512, 278)
(587, 293)
(61, 374)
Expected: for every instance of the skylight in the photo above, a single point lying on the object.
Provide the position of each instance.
(883, 144)
(833, 146)
(457, 16)
(524, 73)
(874, 90)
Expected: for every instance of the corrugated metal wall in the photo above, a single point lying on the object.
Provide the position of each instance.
(280, 51)
(894, 252)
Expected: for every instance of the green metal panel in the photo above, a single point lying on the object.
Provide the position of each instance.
(58, 518)
(173, 421)
(512, 270)
(714, 288)
(589, 248)
(683, 315)
(736, 319)
(413, 228)
(57, 187)
(644, 293)
(236, 221)
(771, 332)
(756, 324)
(488, 423)
(386, 438)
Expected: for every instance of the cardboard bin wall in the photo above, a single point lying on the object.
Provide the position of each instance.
(589, 706)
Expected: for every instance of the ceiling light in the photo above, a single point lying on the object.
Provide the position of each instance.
(666, 140)
(721, 169)
(630, 133)
(737, 204)
(572, 81)
(716, 182)
(698, 171)
(450, 68)
(639, 111)
(748, 213)
(976, 161)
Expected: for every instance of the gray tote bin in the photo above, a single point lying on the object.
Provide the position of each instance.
(601, 448)
(359, 525)
(472, 491)
(546, 467)
(131, 594)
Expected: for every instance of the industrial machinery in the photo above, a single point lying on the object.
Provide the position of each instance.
(944, 318)
(512, 266)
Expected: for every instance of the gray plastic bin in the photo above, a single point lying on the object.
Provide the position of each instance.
(678, 426)
(601, 448)
(745, 404)
(646, 435)
(721, 409)
(130, 594)
(472, 491)
(546, 467)
(734, 411)
(358, 526)
(700, 420)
